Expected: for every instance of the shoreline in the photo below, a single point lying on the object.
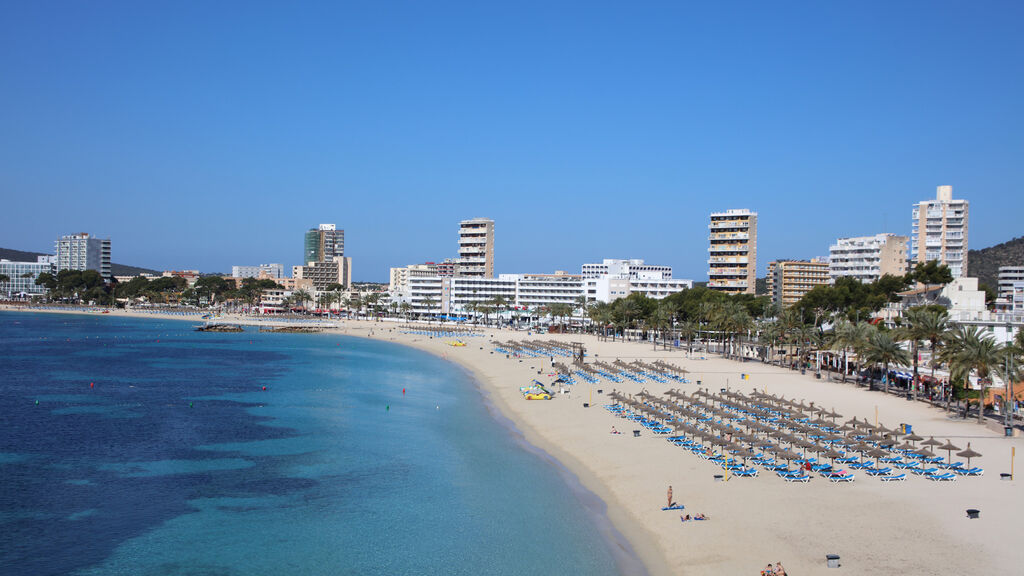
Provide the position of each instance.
(912, 527)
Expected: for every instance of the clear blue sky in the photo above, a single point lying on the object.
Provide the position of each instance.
(206, 134)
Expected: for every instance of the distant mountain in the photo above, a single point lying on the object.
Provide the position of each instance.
(115, 269)
(984, 264)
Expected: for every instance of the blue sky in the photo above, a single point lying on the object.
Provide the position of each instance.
(206, 134)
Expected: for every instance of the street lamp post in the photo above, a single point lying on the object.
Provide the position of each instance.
(1008, 417)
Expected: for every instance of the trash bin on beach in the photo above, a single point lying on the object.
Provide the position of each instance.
(906, 429)
(1008, 430)
(832, 560)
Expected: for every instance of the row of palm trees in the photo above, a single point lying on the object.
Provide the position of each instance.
(962, 350)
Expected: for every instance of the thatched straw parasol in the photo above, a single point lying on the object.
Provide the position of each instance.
(948, 447)
(969, 454)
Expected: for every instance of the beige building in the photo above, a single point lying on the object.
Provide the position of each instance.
(789, 280)
(322, 274)
(868, 258)
(476, 248)
(733, 253)
(940, 231)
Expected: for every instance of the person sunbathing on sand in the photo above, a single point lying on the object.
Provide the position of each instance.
(614, 431)
(685, 518)
(769, 571)
(779, 570)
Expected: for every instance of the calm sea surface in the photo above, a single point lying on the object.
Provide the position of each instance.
(142, 447)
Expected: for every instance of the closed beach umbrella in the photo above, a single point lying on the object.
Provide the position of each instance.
(949, 447)
(969, 454)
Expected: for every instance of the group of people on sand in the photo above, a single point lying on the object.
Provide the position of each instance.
(698, 516)
(777, 570)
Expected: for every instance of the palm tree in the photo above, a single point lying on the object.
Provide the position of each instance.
(969, 349)
(820, 340)
(560, 310)
(687, 330)
(883, 349)
(850, 337)
(300, 297)
(405, 307)
(923, 324)
(428, 303)
(601, 313)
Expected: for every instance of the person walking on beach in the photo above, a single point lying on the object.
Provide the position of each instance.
(670, 496)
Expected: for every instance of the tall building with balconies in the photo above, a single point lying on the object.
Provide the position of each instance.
(476, 248)
(789, 280)
(733, 253)
(323, 243)
(868, 258)
(84, 252)
(940, 231)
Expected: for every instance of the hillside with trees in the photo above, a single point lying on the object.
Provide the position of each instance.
(984, 264)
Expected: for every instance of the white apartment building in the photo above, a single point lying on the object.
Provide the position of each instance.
(732, 260)
(22, 277)
(263, 270)
(534, 290)
(614, 279)
(1017, 298)
(84, 252)
(868, 258)
(476, 248)
(1008, 277)
(631, 268)
(940, 231)
(454, 295)
(399, 277)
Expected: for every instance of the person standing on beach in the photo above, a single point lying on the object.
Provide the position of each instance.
(670, 496)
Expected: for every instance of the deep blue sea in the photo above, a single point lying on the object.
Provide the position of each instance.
(142, 447)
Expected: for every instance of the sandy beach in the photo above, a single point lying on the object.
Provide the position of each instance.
(911, 527)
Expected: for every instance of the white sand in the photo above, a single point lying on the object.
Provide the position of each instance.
(914, 527)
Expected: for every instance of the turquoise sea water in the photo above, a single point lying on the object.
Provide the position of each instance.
(141, 447)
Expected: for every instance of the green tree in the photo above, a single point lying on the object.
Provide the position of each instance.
(883, 350)
(850, 337)
(967, 350)
(300, 297)
(931, 273)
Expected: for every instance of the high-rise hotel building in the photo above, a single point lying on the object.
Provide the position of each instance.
(476, 248)
(940, 231)
(84, 252)
(733, 253)
(323, 244)
(789, 280)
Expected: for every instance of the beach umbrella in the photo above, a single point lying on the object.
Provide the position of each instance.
(968, 454)
(931, 442)
(876, 453)
(912, 438)
(925, 453)
(832, 455)
(948, 447)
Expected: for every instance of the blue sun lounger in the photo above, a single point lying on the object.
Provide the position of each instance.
(802, 478)
(946, 477)
(894, 478)
(879, 471)
(970, 471)
(746, 473)
(841, 477)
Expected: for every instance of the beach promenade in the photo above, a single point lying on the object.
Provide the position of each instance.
(912, 527)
